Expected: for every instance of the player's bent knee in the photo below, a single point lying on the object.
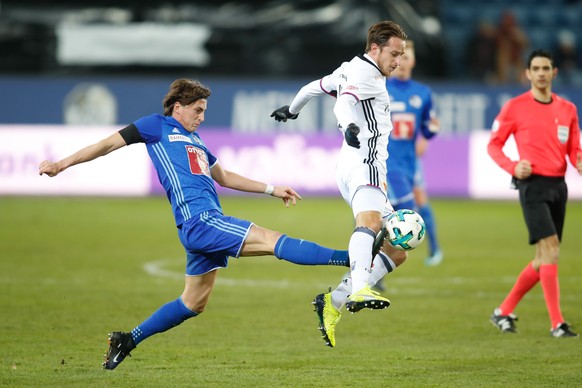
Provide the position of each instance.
(196, 306)
(399, 257)
(260, 241)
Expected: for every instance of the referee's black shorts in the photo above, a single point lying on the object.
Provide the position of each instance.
(543, 201)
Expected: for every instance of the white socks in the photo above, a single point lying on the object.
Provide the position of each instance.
(382, 266)
(360, 251)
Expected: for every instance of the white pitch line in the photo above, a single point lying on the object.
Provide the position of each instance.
(397, 285)
(155, 268)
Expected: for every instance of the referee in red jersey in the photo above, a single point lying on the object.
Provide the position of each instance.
(546, 131)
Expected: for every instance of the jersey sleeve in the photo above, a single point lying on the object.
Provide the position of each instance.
(344, 110)
(149, 128)
(131, 135)
(327, 85)
(426, 115)
(212, 160)
(503, 127)
(306, 94)
(574, 148)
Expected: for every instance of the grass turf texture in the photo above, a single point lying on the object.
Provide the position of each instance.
(73, 270)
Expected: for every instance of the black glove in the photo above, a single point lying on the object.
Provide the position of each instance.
(282, 114)
(351, 135)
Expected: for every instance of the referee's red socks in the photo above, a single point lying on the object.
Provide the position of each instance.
(525, 281)
(551, 287)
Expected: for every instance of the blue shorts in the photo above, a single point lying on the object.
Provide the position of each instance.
(400, 187)
(419, 175)
(210, 238)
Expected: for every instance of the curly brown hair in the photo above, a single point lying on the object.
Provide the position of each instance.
(185, 91)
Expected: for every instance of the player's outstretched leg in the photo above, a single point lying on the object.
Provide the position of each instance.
(328, 317)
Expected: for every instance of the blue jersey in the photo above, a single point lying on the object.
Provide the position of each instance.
(411, 106)
(183, 164)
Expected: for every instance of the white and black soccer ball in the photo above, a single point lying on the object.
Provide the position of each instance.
(405, 229)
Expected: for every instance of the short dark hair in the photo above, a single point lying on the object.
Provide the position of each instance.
(540, 53)
(380, 33)
(185, 91)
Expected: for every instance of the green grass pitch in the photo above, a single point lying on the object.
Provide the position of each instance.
(74, 269)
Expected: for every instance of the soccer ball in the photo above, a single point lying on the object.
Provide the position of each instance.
(405, 229)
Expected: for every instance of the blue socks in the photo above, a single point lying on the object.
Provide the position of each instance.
(291, 249)
(308, 253)
(169, 315)
(427, 215)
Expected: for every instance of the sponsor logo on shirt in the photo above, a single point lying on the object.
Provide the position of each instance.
(198, 161)
(175, 130)
(179, 138)
(398, 106)
(404, 124)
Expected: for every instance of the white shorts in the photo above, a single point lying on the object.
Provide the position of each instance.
(353, 176)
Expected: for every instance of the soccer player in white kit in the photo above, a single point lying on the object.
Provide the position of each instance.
(362, 110)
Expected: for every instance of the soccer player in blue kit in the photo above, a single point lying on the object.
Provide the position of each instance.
(413, 116)
(187, 170)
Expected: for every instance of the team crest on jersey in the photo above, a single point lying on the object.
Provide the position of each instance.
(563, 133)
(198, 161)
(173, 138)
(415, 101)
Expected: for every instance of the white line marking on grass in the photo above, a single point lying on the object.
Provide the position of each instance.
(155, 268)
(405, 285)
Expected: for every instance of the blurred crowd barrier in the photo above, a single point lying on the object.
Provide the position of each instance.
(239, 105)
(455, 166)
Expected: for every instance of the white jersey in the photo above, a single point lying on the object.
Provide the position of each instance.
(362, 99)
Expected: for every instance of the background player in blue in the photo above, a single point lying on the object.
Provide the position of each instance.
(424, 208)
(187, 170)
(414, 120)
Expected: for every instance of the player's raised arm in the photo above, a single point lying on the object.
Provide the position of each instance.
(232, 180)
(103, 147)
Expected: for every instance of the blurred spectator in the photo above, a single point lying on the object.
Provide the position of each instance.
(481, 52)
(567, 58)
(511, 43)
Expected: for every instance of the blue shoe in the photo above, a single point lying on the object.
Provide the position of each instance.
(435, 259)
